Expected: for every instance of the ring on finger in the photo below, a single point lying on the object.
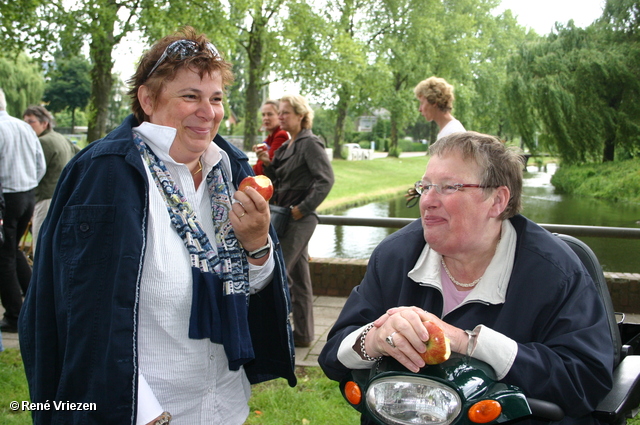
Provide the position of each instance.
(389, 339)
(244, 211)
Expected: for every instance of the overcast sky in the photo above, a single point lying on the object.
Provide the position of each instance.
(540, 15)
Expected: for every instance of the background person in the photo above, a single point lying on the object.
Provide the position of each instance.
(276, 136)
(58, 150)
(436, 103)
(502, 288)
(22, 165)
(302, 176)
(141, 299)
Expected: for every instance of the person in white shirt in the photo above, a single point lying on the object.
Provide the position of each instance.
(22, 166)
(436, 103)
(170, 288)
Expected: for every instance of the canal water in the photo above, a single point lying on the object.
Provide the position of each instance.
(540, 204)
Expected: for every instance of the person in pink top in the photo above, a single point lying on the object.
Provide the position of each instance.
(276, 137)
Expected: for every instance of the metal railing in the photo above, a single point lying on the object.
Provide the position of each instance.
(573, 230)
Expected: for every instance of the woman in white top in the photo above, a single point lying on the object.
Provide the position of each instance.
(159, 292)
(436, 102)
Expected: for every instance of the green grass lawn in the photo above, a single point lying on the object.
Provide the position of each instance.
(13, 387)
(315, 400)
(361, 182)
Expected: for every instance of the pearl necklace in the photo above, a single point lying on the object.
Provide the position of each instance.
(464, 285)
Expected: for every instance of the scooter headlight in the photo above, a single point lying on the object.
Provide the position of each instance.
(409, 400)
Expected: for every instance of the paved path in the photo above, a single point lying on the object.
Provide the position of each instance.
(325, 313)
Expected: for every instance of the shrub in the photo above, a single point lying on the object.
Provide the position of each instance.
(395, 151)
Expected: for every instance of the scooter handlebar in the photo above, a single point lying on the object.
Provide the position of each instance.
(545, 409)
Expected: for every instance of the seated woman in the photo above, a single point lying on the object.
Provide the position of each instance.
(503, 289)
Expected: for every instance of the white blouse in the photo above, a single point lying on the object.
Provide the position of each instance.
(189, 378)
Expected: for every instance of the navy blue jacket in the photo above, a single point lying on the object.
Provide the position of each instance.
(552, 310)
(77, 327)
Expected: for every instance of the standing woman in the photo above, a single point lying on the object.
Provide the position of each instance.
(142, 298)
(436, 103)
(303, 177)
(276, 137)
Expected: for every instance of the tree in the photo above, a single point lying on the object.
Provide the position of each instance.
(69, 86)
(411, 46)
(18, 18)
(68, 24)
(329, 58)
(581, 85)
(22, 82)
(481, 102)
(258, 41)
(119, 107)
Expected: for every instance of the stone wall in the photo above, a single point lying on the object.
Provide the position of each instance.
(336, 277)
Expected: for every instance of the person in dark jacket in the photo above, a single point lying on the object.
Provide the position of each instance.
(503, 289)
(302, 177)
(159, 291)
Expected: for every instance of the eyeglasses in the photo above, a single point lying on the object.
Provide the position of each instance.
(181, 49)
(444, 189)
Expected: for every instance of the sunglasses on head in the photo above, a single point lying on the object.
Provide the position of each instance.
(181, 49)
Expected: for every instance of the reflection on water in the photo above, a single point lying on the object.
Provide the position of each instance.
(540, 204)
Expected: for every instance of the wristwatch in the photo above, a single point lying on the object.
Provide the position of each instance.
(471, 344)
(260, 252)
(164, 419)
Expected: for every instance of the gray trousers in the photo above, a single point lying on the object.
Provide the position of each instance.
(295, 244)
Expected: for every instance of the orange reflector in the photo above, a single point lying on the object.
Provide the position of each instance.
(484, 411)
(352, 392)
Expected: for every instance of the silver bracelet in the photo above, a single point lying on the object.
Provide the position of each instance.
(164, 419)
(363, 335)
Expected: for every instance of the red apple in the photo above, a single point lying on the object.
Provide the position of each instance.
(438, 346)
(260, 183)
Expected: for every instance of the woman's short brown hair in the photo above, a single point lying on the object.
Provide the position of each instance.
(202, 61)
(437, 92)
(501, 165)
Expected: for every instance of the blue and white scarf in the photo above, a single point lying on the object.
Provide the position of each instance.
(219, 308)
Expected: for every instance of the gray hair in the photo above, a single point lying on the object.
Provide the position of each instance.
(3, 101)
(41, 114)
(501, 165)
